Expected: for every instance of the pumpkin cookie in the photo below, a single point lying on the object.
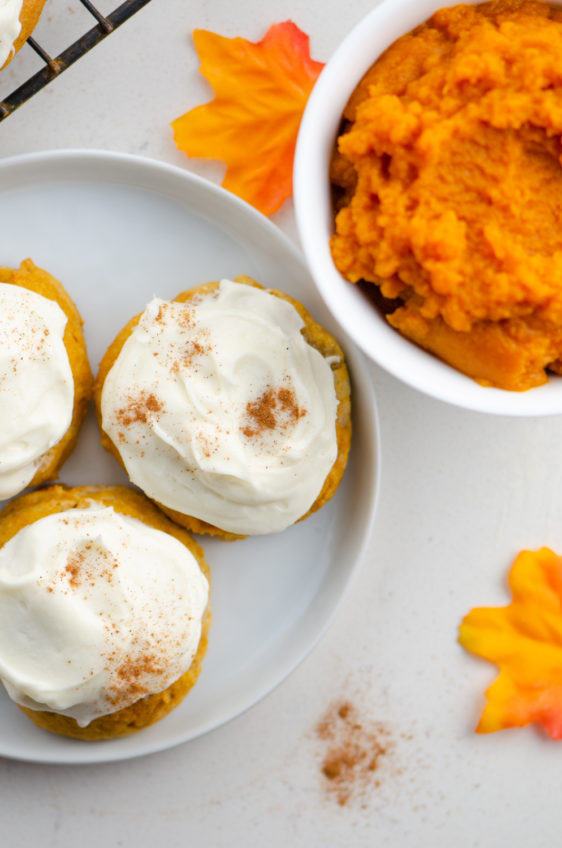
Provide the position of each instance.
(45, 377)
(104, 612)
(19, 19)
(229, 406)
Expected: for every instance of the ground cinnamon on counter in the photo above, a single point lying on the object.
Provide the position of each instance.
(355, 748)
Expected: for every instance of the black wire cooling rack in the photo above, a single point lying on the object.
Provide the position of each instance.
(53, 67)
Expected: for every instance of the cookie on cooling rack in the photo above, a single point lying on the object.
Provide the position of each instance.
(17, 22)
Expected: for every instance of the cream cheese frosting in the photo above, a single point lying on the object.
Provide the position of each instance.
(97, 610)
(36, 384)
(10, 27)
(221, 410)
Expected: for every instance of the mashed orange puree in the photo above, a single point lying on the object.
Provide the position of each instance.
(449, 189)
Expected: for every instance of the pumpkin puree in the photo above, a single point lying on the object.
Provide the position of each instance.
(448, 186)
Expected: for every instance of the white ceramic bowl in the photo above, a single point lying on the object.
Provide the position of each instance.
(348, 304)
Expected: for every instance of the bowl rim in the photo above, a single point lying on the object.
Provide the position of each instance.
(371, 333)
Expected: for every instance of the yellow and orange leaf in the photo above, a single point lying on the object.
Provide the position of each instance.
(260, 93)
(524, 639)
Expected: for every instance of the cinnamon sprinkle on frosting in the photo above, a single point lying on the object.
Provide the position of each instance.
(139, 409)
(273, 410)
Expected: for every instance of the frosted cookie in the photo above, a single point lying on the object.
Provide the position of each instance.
(45, 377)
(104, 611)
(229, 407)
(18, 19)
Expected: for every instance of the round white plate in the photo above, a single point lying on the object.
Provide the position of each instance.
(116, 230)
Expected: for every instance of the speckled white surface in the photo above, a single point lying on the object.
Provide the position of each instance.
(461, 494)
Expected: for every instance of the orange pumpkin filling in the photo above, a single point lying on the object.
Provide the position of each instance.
(448, 189)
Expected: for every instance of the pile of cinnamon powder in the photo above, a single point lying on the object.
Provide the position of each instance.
(354, 751)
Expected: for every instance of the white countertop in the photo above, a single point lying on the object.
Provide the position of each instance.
(461, 494)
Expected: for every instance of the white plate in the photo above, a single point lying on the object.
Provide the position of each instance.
(117, 229)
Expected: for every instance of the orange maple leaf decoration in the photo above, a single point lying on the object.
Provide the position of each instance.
(252, 124)
(524, 639)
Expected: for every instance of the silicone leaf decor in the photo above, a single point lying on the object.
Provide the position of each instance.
(252, 124)
(524, 639)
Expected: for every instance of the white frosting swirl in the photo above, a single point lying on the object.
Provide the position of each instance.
(36, 384)
(10, 27)
(221, 410)
(96, 611)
